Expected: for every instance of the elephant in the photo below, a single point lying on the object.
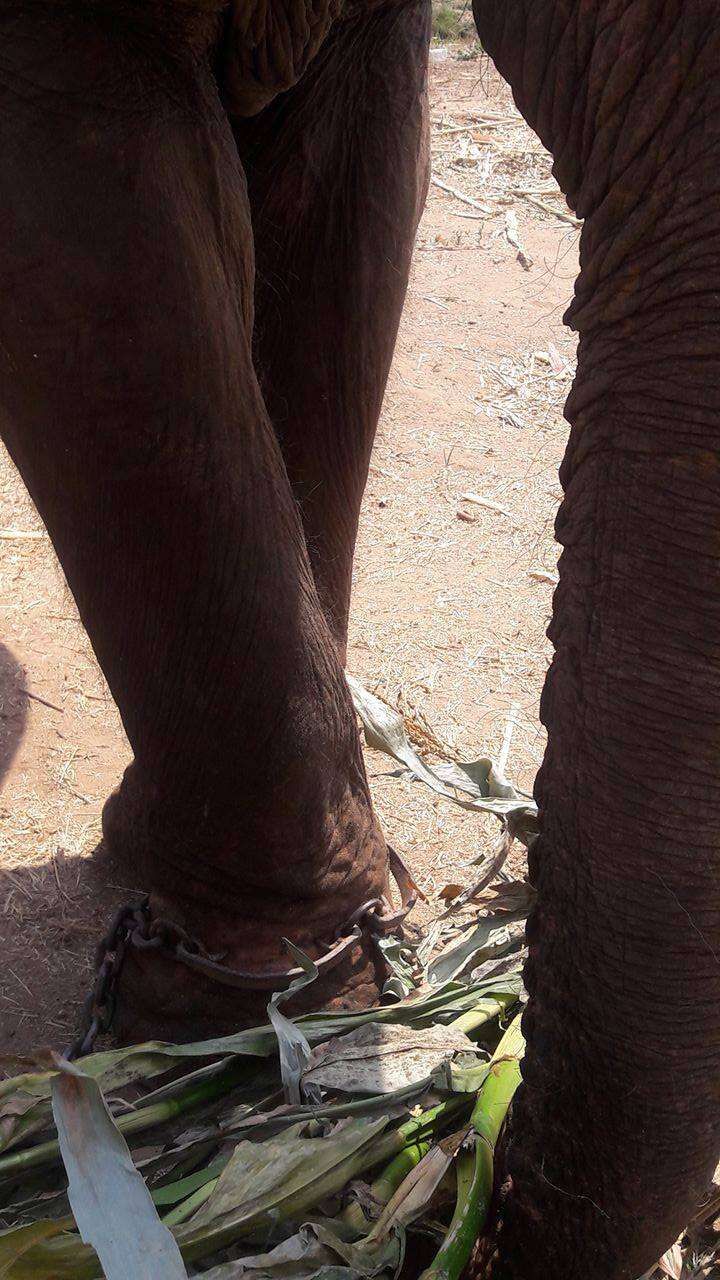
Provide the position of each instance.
(207, 211)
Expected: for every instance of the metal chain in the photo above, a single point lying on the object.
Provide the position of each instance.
(134, 926)
(98, 1008)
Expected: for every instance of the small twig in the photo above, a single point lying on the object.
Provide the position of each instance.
(477, 500)
(78, 794)
(481, 123)
(43, 701)
(507, 739)
(547, 208)
(460, 195)
(490, 868)
(20, 981)
(56, 872)
(15, 881)
(17, 535)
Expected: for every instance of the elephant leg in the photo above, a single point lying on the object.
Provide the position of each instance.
(129, 403)
(337, 173)
(616, 1128)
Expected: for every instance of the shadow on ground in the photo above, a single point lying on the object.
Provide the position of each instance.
(51, 913)
(60, 907)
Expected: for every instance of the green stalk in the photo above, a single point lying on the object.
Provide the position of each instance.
(483, 1012)
(68, 1256)
(475, 1169)
(48, 1153)
(419, 1133)
(426, 1124)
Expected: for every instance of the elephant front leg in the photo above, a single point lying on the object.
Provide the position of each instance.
(615, 1132)
(130, 405)
(337, 174)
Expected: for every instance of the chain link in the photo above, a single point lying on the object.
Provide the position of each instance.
(98, 1008)
(133, 926)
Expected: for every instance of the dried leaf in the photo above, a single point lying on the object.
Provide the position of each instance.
(490, 938)
(671, 1263)
(385, 731)
(293, 1046)
(20, 1116)
(513, 895)
(512, 234)
(544, 575)
(377, 1059)
(450, 891)
(481, 779)
(317, 1251)
(131, 1240)
(418, 1188)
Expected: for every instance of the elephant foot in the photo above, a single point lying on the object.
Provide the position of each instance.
(160, 998)
(211, 953)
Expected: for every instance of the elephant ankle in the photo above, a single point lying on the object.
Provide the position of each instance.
(158, 998)
(238, 901)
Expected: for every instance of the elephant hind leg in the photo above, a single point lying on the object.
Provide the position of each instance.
(129, 402)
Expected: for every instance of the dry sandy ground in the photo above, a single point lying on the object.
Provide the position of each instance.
(452, 597)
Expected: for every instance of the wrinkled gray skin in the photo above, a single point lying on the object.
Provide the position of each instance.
(206, 214)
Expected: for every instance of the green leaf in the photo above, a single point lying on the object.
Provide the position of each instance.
(464, 1074)
(111, 1069)
(397, 955)
(17, 1241)
(173, 1192)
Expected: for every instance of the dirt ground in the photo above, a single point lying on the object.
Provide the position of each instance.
(452, 594)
